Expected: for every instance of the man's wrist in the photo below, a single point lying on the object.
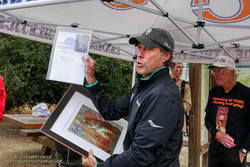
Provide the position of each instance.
(91, 81)
(92, 84)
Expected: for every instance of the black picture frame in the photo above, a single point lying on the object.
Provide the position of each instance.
(82, 128)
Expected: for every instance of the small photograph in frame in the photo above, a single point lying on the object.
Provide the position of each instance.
(77, 124)
(82, 43)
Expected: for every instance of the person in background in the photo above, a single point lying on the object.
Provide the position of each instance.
(184, 87)
(227, 116)
(154, 108)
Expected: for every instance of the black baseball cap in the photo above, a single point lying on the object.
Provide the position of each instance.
(155, 37)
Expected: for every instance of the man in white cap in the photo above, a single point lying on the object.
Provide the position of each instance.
(227, 116)
(154, 108)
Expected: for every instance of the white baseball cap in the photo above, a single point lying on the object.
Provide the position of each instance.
(224, 61)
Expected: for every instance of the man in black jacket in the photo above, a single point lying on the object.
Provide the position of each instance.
(228, 116)
(154, 108)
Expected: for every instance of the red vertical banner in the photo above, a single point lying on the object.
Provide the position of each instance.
(2, 98)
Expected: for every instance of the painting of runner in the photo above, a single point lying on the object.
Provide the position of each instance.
(77, 124)
(90, 126)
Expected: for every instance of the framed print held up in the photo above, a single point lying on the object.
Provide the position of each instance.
(77, 124)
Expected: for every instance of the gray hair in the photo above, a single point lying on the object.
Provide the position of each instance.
(169, 61)
(234, 72)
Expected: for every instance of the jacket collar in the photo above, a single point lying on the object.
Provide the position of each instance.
(159, 69)
(158, 74)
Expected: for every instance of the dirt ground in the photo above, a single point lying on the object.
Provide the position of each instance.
(19, 151)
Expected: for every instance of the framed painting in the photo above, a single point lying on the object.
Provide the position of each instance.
(77, 124)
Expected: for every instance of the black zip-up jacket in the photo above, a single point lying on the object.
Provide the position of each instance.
(237, 102)
(155, 121)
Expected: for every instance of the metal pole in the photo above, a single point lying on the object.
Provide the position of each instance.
(110, 39)
(219, 44)
(164, 12)
(199, 17)
(228, 26)
(134, 72)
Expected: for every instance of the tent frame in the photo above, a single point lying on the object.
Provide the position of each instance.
(199, 24)
(195, 69)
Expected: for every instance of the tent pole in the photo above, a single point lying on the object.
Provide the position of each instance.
(200, 55)
(161, 13)
(200, 50)
(219, 44)
(102, 40)
(213, 37)
(186, 34)
(212, 46)
(173, 17)
(55, 25)
(244, 47)
(186, 27)
(199, 19)
(121, 57)
(150, 10)
(232, 40)
(134, 72)
(182, 20)
(228, 26)
(109, 39)
(25, 22)
(165, 14)
(117, 47)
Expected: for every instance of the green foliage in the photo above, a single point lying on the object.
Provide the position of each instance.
(115, 75)
(24, 66)
(24, 63)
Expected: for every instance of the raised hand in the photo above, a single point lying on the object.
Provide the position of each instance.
(90, 67)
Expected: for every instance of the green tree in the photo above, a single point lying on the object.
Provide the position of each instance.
(24, 66)
(115, 75)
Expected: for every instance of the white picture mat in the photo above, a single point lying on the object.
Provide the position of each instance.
(67, 116)
(69, 46)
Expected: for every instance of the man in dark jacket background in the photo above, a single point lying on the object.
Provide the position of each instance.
(154, 107)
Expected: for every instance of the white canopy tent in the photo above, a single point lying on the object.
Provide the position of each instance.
(202, 29)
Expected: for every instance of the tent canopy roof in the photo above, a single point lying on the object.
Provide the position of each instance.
(222, 30)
